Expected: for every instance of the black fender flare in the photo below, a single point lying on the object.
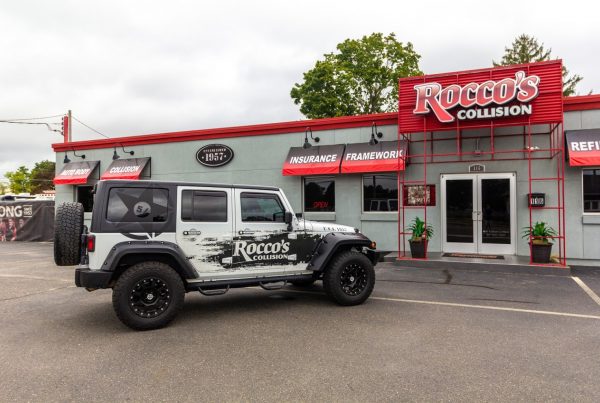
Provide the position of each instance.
(331, 243)
(123, 249)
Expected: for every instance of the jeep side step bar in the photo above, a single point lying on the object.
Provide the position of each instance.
(222, 286)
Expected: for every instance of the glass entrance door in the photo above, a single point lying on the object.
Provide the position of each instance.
(478, 213)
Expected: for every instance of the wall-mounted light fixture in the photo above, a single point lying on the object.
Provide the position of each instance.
(306, 142)
(117, 156)
(375, 134)
(67, 159)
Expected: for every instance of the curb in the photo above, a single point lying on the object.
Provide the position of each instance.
(477, 266)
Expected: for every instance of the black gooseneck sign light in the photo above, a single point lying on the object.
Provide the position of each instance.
(375, 135)
(306, 142)
(117, 156)
(67, 159)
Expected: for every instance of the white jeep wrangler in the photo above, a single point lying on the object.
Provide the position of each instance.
(152, 242)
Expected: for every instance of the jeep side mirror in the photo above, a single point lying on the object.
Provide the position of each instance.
(288, 217)
(299, 215)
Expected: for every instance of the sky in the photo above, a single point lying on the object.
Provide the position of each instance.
(140, 67)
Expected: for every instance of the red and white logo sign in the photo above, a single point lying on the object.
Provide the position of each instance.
(431, 97)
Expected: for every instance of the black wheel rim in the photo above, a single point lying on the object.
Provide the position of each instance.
(149, 297)
(353, 279)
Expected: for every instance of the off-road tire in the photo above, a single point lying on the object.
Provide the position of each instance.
(127, 291)
(303, 283)
(68, 227)
(338, 274)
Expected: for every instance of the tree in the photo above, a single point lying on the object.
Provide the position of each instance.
(41, 176)
(527, 49)
(3, 187)
(361, 77)
(19, 180)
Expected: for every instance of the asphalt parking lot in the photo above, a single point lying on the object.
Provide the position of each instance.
(427, 335)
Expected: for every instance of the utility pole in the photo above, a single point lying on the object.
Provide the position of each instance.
(69, 127)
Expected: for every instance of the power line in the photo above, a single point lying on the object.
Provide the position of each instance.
(91, 128)
(40, 118)
(35, 123)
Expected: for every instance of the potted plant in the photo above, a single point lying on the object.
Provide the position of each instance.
(539, 235)
(421, 234)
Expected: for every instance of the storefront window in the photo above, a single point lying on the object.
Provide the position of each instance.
(85, 196)
(319, 194)
(380, 192)
(591, 190)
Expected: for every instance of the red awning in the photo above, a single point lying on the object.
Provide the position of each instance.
(316, 160)
(75, 173)
(130, 168)
(583, 147)
(385, 156)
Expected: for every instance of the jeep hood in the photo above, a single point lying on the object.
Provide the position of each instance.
(317, 226)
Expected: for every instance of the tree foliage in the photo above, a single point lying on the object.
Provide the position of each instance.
(360, 77)
(35, 181)
(41, 176)
(527, 49)
(19, 180)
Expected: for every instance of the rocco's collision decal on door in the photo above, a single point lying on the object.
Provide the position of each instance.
(282, 249)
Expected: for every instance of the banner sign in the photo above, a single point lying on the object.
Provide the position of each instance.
(130, 168)
(75, 173)
(583, 147)
(316, 160)
(511, 95)
(29, 220)
(385, 156)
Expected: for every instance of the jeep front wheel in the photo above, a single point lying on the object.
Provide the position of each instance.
(148, 295)
(350, 278)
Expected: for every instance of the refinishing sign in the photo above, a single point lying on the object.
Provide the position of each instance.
(475, 99)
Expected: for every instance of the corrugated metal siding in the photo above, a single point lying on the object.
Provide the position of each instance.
(547, 107)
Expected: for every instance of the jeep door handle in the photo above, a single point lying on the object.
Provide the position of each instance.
(246, 232)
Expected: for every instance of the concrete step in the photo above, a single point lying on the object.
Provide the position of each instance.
(510, 264)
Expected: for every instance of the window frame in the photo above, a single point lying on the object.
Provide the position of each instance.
(362, 193)
(107, 204)
(590, 213)
(227, 218)
(259, 195)
(77, 187)
(303, 185)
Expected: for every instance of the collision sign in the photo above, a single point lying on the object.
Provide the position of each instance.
(432, 97)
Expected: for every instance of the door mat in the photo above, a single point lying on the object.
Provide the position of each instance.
(473, 256)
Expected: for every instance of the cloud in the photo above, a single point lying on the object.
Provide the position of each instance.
(141, 67)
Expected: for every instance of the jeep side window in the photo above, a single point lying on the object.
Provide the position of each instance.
(137, 204)
(261, 207)
(203, 206)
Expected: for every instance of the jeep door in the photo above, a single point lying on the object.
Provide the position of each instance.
(205, 228)
(262, 242)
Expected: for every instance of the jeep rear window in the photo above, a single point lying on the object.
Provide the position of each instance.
(137, 205)
(203, 206)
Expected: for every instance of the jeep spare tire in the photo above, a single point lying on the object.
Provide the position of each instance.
(68, 227)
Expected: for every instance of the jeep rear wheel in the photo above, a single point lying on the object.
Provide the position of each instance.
(350, 278)
(148, 295)
(68, 227)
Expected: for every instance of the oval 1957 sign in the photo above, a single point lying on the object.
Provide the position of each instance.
(214, 155)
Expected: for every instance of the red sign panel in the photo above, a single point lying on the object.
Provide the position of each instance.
(130, 168)
(385, 156)
(512, 95)
(75, 173)
(583, 147)
(316, 160)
